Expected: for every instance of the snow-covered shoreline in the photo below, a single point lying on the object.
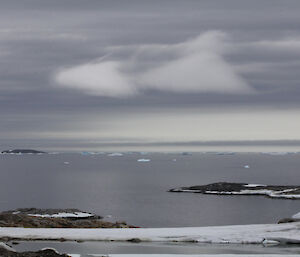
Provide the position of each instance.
(237, 234)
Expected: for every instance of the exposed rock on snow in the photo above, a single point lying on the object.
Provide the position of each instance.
(224, 188)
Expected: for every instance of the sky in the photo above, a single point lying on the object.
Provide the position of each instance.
(132, 74)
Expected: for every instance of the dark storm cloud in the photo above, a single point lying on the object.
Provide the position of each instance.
(40, 38)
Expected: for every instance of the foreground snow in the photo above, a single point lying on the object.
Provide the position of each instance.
(238, 234)
(190, 255)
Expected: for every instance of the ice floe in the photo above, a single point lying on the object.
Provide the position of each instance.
(277, 153)
(6, 247)
(143, 160)
(296, 216)
(115, 154)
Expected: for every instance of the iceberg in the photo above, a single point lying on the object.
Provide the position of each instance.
(115, 154)
(296, 216)
(143, 160)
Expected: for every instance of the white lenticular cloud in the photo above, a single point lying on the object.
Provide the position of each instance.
(194, 66)
(103, 78)
(202, 72)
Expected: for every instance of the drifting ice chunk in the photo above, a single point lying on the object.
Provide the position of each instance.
(143, 160)
(246, 166)
(296, 216)
(6, 247)
(115, 154)
(276, 153)
(66, 163)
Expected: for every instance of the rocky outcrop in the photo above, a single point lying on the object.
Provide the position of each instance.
(6, 251)
(225, 188)
(55, 218)
(21, 151)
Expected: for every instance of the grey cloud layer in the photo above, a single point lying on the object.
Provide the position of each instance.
(147, 41)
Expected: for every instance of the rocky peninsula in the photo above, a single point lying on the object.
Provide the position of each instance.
(55, 218)
(225, 188)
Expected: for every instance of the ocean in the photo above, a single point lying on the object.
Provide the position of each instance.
(118, 187)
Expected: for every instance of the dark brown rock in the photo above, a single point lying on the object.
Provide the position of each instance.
(20, 218)
(42, 253)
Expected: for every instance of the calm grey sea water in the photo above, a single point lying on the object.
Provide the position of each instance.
(137, 191)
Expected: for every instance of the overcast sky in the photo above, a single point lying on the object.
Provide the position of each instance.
(87, 74)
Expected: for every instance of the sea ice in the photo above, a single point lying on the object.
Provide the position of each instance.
(296, 216)
(143, 160)
(115, 154)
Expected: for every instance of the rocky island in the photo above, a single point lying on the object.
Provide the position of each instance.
(22, 151)
(55, 218)
(225, 188)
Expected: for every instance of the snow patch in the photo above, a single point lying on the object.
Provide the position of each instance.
(254, 185)
(64, 215)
